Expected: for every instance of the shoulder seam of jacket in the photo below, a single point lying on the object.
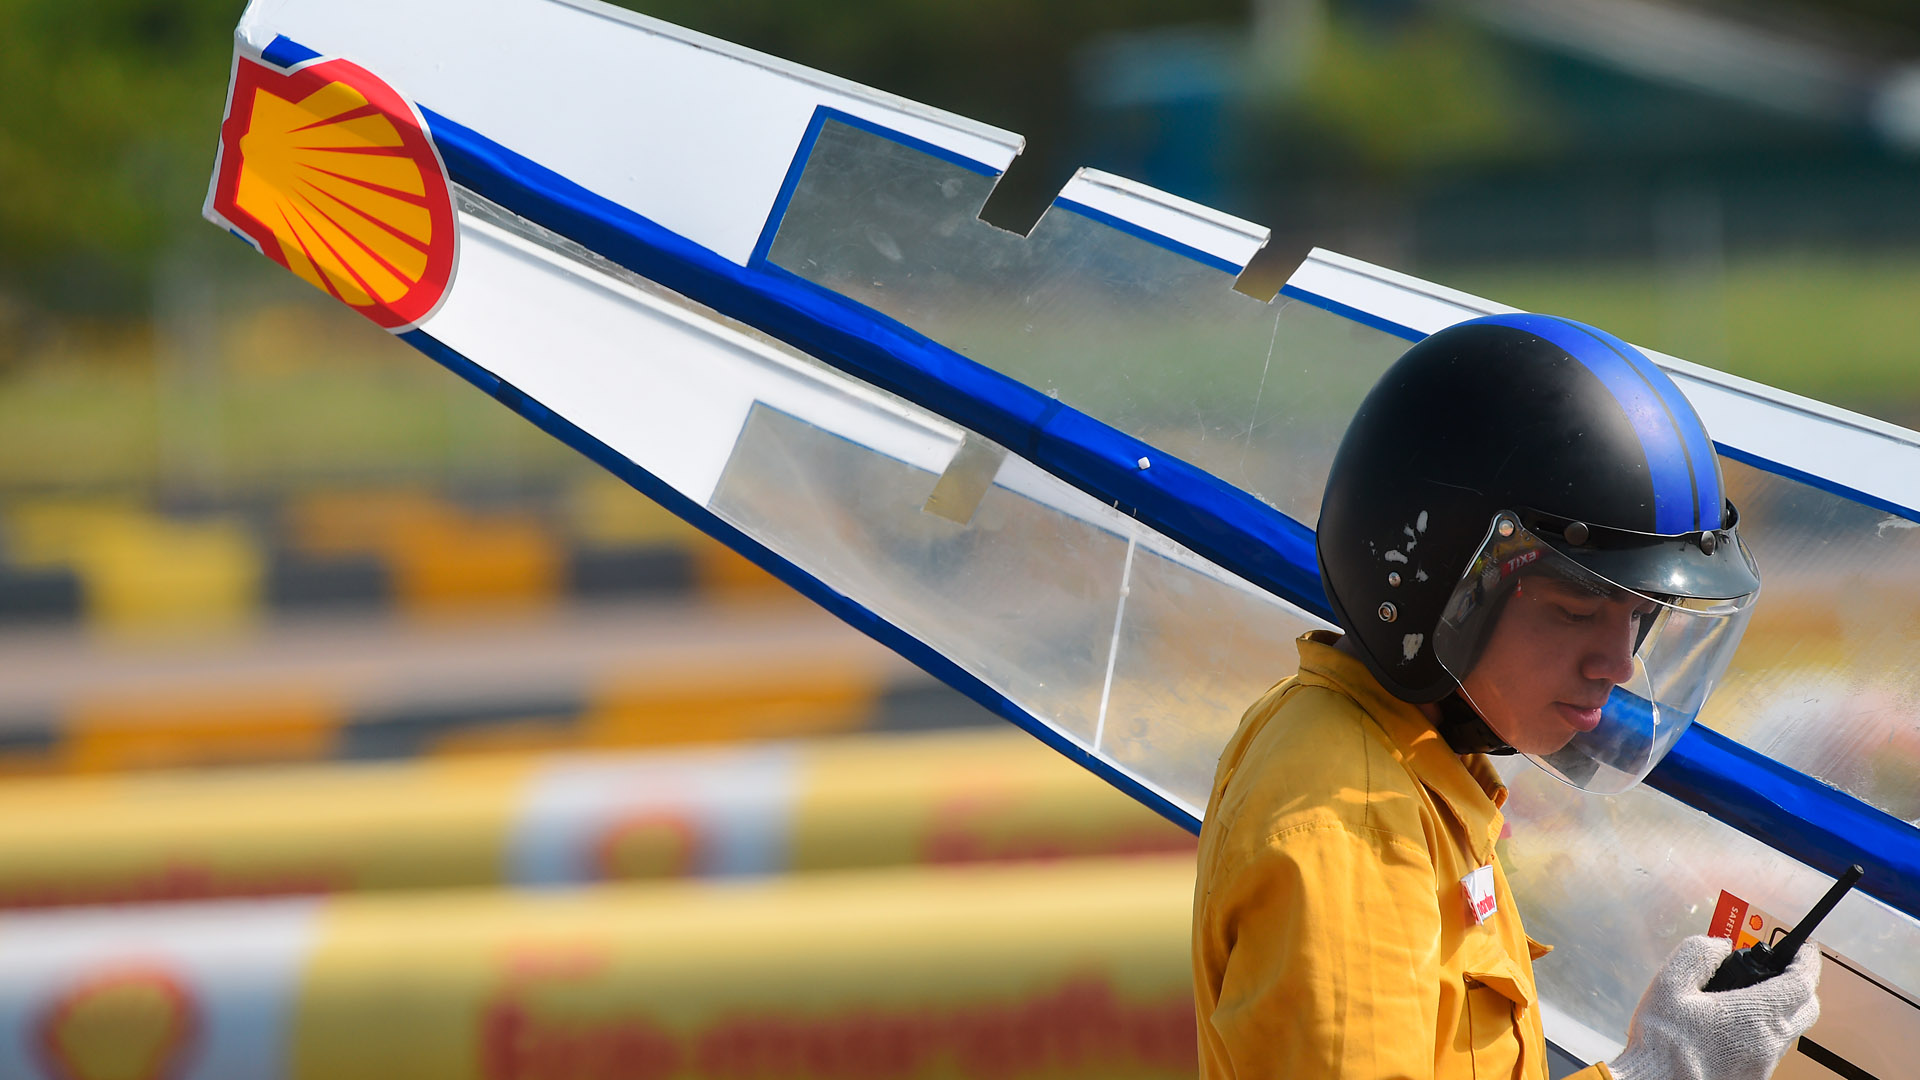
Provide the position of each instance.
(1387, 836)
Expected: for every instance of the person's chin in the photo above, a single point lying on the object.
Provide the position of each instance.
(1558, 745)
(1547, 738)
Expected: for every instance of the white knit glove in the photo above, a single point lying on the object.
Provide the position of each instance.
(1681, 1032)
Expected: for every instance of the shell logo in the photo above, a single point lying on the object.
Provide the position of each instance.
(332, 173)
(646, 845)
(125, 1023)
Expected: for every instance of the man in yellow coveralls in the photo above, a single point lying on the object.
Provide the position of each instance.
(1525, 534)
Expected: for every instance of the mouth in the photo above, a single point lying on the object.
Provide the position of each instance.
(1579, 718)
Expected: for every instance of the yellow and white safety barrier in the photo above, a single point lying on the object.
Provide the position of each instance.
(709, 700)
(944, 797)
(1071, 970)
(122, 566)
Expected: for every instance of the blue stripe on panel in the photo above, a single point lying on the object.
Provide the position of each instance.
(934, 150)
(1784, 808)
(285, 52)
(1822, 826)
(846, 608)
(822, 114)
(1141, 232)
(1206, 514)
(1675, 499)
(1353, 314)
(1745, 457)
(1817, 482)
(788, 185)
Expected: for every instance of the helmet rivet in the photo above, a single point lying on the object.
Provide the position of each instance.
(1505, 527)
(1393, 578)
(1708, 541)
(1388, 612)
(1576, 533)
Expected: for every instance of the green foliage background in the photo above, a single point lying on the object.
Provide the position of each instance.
(112, 107)
(111, 112)
(107, 137)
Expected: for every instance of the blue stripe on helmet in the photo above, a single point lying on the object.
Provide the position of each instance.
(1680, 456)
(1693, 433)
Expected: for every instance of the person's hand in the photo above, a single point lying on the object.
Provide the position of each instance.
(1681, 1032)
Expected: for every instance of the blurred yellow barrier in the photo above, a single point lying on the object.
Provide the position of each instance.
(714, 702)
(1067, 971)
(406, 548)
(116, 733)
(192, 836)
(948, 797)
(142, 573)
(461, 561)
(695, 702)
(337, 524)
(50, 532)
(159, 575)
(442, 556)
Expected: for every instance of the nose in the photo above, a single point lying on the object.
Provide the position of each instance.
(1609, 653)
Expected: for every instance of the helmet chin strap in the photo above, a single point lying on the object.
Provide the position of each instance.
(1465, 731)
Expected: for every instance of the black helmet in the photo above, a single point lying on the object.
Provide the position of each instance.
(1521, 442)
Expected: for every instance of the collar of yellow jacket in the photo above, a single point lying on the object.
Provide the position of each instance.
(1468, 786)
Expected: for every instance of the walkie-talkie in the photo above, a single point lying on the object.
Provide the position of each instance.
(1762, 962)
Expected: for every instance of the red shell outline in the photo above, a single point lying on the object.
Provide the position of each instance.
(173, 1055)
(250, 78)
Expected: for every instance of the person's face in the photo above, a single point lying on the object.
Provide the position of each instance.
(1553, 657)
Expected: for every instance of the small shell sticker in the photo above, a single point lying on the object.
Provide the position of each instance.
(333, 175)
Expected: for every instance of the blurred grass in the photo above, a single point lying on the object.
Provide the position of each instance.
(298, 394)
(285, 396)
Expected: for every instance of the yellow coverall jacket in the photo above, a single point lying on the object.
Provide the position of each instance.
(1331, 933)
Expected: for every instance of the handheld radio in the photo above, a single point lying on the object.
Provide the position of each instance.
(1762, 962)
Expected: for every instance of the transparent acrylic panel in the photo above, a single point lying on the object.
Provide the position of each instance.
(1004, 569)
(1827, 679)
(1614, 882)
(1027, 594)
(1152, 342)
(1194, 650)
(1023, 595)
(1161, 347)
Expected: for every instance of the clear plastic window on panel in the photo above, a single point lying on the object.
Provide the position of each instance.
(1139, 336)
(1137, 650)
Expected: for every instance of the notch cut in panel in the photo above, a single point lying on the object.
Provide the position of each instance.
(957, 494)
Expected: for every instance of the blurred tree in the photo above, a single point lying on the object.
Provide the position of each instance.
(1886, 13)
(107, 136)
(1004, 62)
(1414, 91)
(112, 109)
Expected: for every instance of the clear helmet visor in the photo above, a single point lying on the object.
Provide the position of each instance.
(1592, 680)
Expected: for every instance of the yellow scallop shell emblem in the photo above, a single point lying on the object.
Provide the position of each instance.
(134, 1023)
(331, 173)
